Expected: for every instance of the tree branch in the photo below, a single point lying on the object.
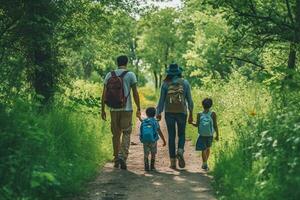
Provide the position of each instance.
(290, 12)
(245, 60)
(252, 6)
(10, 26)
(264, 18)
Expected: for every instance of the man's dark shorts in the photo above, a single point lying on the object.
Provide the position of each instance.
(203, 143)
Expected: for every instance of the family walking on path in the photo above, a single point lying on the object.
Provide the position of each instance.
(176, 103)
(165, 181)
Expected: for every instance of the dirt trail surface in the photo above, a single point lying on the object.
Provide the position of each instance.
(165, 183)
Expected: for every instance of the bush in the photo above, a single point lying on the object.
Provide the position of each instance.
(48, 154)
(258, 155)
(235, 101)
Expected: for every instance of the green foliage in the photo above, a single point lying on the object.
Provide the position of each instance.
(243, 54)
(45, 155)
(157, 39)
(257, 157)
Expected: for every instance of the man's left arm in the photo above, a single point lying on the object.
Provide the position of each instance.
(103, 113)
(136, 98)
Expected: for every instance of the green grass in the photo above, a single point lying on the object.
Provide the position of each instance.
(258, 154)
(235, 102)
(50, 154)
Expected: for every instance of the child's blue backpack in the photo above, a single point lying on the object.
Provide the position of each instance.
(206, 124)
(148, 131)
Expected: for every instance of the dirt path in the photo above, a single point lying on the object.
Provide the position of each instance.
(134, 184)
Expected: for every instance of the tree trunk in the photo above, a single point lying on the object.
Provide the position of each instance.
(292, 56)
(155, 79)
(88, 69)
(137, 68)
(296, 40)
(43, 80)
(160, 80)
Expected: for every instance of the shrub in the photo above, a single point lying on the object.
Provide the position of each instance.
(258, 155)
(46, 154)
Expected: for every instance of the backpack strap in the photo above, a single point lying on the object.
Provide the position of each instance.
(122, 77)
(123, 74)
(113, 74)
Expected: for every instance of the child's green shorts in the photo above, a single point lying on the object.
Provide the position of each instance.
(204, 142)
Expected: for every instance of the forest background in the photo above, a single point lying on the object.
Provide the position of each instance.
(54, 56)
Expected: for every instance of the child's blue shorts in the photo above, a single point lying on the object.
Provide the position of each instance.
(204, 142)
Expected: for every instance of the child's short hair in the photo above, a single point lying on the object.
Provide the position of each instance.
(207, 103)
(150, 112)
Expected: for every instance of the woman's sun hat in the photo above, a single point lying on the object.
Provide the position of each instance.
(174, 70)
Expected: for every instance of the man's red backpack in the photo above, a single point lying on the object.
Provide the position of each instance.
(115, 96)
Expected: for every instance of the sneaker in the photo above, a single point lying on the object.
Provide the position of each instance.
(123, 164)
(181, 161)
(146, 164)
(152, 167)
(205, 167)
(173, 163)
(116, 164)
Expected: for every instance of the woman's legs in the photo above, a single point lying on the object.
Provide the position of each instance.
(171, 126)
(181, 124)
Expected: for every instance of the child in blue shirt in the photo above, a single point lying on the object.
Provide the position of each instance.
(149, 134)
(207, 125)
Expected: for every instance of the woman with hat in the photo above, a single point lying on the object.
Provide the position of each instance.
(176, 101)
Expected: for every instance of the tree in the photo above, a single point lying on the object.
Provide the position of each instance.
(41, 41)
(265, 22)
(158, 40)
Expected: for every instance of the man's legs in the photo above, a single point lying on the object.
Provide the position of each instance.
(126, 126)
(116, 132)
(170, 121)
(125, 144)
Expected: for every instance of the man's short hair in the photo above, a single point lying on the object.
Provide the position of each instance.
(150, 112)
(122, 60)
(207, 103)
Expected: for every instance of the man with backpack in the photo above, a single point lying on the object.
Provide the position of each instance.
(118, 85)
(176, 100)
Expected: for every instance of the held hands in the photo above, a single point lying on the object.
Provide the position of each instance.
(191, 120)
(103, 115)
(158, 117)
(138, 114)
(217, 138)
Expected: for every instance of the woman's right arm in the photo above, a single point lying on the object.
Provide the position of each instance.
(198, 121)
(161, 102)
